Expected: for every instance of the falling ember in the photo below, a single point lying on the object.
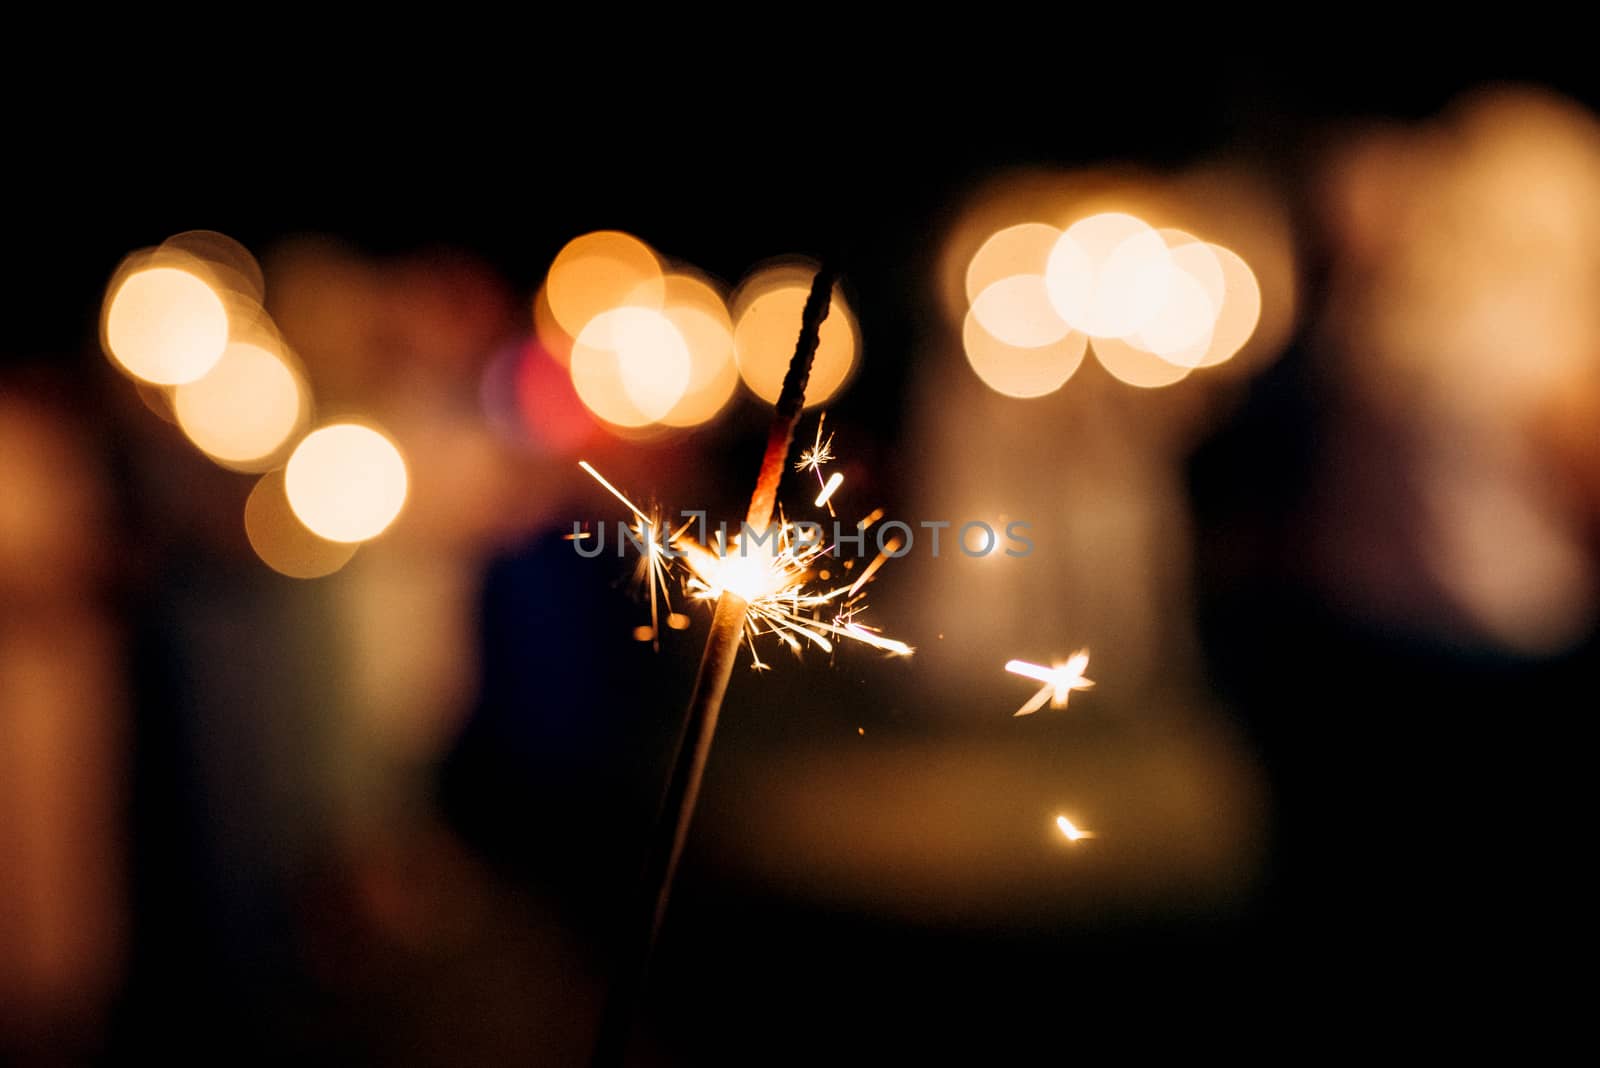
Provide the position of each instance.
(1072, 833)
(644, 634)
(678, 621)
(1059, 681)
(827, 491)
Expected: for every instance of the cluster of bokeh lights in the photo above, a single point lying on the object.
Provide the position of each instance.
(649, 343)
(1154, 305)
(186, 321)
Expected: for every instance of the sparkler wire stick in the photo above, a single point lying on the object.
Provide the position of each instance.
(711, 685)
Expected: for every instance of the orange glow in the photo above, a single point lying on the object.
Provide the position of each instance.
(766, 313)
(282, 541)
(678, 621)
(1021, 372)
(346, 482)
(554, 340)
(598, 272)
(244, 410)
(1020, 249)
(630, 366)
(165, 324)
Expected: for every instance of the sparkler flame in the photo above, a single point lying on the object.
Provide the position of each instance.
(1059, 681)
(772, 576)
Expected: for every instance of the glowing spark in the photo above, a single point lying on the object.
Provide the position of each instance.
(1072, 833)
(827, 491)
(598, 477)
(772, 577)
(820, 453)
(1059, 681)
(877, 562)
(655, 543)
(869, 519)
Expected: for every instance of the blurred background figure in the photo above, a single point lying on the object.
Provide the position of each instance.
(63, 728)
(1399, 551)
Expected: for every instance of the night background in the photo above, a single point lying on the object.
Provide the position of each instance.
(1339, 591)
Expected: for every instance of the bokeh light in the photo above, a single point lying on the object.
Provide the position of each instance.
(701, 317)
(229, 264)
(600, 271)
(1240, 311)
(766, 311)
(346, 482)
(279, 538)
(630, 366)
(164, 323)
(1135, 366)
(1109, 275)
(1021, 372)
(1016, 310)
(1020, 249)
(245, 409)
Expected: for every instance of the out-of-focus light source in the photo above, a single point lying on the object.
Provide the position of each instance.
(1109, 275)
(701, 317)
(1240, 311)
(1134, 366)
(229, 263)
(244, 410)
(164, 323)
(346, 482)
(1020, 249)
(282, 541)
(630, 366)
(600, 271)
(766, 314)
(1020, 372)
(1016, 311)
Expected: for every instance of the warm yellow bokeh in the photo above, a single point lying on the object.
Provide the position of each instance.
(282, 541)
(245, 409)
(1020, 249)
(1241, 308)
(630, 366)
(600, 271)
(1109, 275)
(701, 317)
(1135, 366)
(1016, 310)
(346, 482)
(1020, 372)
(165, 325)
(767, 312)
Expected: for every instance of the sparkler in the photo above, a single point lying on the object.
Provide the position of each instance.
(1059, 681)
(773, 583)
(753, 594)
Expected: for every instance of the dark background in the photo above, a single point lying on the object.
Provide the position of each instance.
(1413, 864)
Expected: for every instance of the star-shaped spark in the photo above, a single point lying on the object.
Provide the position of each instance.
(814, 458)
(1059, 681)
